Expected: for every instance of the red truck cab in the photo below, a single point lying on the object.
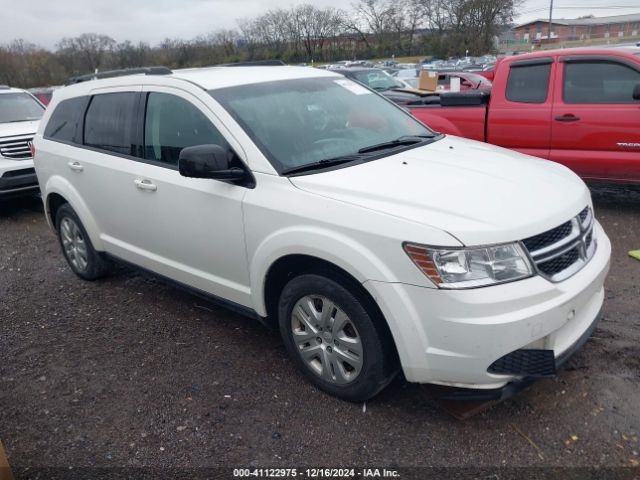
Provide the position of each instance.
(579, 107)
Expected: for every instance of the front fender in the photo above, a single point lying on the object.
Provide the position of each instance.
(64, 188)
(338, 249)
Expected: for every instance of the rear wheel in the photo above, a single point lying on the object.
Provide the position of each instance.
(334, 338)
(77, 247)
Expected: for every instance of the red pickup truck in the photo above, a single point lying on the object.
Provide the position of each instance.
(579, 107)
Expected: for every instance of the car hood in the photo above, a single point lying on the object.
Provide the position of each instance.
(13, 129)
(476, 192)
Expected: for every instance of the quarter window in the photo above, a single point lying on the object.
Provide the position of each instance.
(110, 123)
(599, 82)
(172, 124)
(528, 83)
(65, 121)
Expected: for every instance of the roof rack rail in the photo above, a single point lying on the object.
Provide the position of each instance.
(256, 63)
(5, 87)
(119, 73)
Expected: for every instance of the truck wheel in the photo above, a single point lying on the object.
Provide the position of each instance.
(76, 245)
(334, 339)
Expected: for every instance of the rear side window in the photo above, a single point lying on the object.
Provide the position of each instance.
(110, 123)
(171, 124)
(528, 83)
(65, 121)
(599, 82)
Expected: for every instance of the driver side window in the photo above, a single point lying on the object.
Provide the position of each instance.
(599, 82)
(171, 124)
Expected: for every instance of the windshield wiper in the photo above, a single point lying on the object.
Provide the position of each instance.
(398, 142)
(327, 162)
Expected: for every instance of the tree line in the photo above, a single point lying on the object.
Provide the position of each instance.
(303, 33)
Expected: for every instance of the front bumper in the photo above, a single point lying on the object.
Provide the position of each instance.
(452, 337)
(511, 388)
(17, 177)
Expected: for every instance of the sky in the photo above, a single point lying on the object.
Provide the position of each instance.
(45, 22)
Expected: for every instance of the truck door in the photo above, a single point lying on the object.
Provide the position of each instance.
(596, 121)
(521, 118)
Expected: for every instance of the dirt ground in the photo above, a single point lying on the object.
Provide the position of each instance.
(129, 372)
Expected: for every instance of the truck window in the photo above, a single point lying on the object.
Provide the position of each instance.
(599, 82)
(528, 83)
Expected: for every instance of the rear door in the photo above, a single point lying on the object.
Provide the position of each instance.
(520, 118)
(596, 121)
(111, 143)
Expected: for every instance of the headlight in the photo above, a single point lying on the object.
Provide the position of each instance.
(470, 267)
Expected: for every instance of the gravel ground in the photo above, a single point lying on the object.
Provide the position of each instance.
(129, 372)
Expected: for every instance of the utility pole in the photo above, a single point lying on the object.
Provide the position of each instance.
(550, 18)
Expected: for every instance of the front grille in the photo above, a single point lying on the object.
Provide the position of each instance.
(560, 263)
(16, 148)
(589, 239)
(547, 238)
(562, 251)
(584, 214)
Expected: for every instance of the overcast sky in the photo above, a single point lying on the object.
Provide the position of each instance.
(45, 22)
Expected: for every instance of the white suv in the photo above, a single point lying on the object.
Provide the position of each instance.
(309, 202)
(20, 113)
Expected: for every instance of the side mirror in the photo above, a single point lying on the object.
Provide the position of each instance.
(636, 92)
(208, 161)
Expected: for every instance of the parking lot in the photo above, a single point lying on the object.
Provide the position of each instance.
(128, 371)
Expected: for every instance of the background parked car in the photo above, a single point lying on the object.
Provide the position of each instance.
(20, 115)
(43, 94)
(468, 81)
(381, 82)
(578, 107)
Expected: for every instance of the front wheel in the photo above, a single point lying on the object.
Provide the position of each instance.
(334, 337)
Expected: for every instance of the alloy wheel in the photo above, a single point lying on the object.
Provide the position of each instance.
(326, 339)
(73, 242)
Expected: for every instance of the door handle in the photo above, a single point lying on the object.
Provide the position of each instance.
(145, 185)
(567, 117)
(75, 166)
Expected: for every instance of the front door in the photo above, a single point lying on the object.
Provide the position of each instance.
(596, 121)
(190, 230)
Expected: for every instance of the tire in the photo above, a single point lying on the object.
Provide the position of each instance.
(335, 338)
(77, 247)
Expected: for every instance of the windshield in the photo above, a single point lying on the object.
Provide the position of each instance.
(19, 107)
(377, 80)
(304, 121)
